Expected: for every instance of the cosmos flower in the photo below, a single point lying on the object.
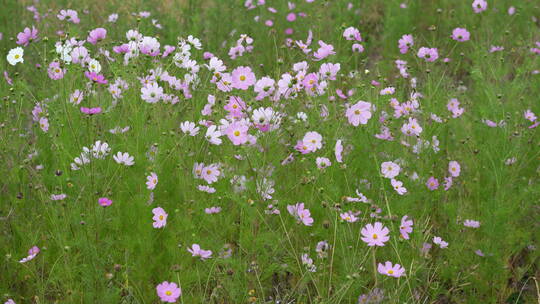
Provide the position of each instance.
(210, 173)
(168, 292)
(454, 168)
(439, 241)
(405, 227)
(428, 54)
(151, 181)
(124, 159)
(390, 270)
(160, 217)
(432, 183)
(338, 151)
(460, 34)
(302, 214)
(242, 78)
(375, 235)
(15, 55)
(398, 186)
(390, 169)
(479, 6)
(104, 202)
(312, 140)
(96, 35)
(404, 43)
(26, 36)
(471, 223)
(237, 132)
(359, 113)
(32, 253)
(97, 78)
(197, 251)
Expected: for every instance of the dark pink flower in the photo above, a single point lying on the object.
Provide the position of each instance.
(95, 77)
(105, 202)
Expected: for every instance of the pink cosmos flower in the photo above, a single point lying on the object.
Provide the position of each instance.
(411, 128)
(390, 169)
(197, 251)
(313, 141)
(26, 36)
(352, 33)
(302, 214)
(454, 168)
(375, 235)
(428, 54)
(210, 173)
(151, 181)
(359, 113)
(398, 186)
(310, 80)
(338, 151)
(471, 223)
(357, 48)
(405, 227)
(349, 217)
(237, 133)
(390, 270)
(439, 241)
(55, 71)
(329, 70)
(212, 210)
(149, 46)
(324, 51)
(152, 93)
(7, 78)
(460, 34)
(168, 292)
(91, 111)
(405, 43)
(529, 115)
(44, 124)
(95, 77)
(104, 202)
(69, 15)
(479, 6)
(432, 183)
(58, 197)
(235, 107)
(323, 162)
(206, 188)
(242, 78)
(96, 35)
(160, 217)
(32, 253)
(495, 48)
(448, 181)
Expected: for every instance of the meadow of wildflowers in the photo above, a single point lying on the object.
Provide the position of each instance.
(252, 151)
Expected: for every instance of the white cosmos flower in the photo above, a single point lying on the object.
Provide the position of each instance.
(124, 159)
(94, 66)
(15, 55)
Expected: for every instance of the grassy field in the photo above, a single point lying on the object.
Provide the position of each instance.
(418, 150)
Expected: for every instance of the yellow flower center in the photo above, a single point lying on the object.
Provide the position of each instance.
(236, 133)
(161, 217)
(168, 292)
(17, 56)
(375, 236)
(390, 271)
(357, 112)
(242, 78)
